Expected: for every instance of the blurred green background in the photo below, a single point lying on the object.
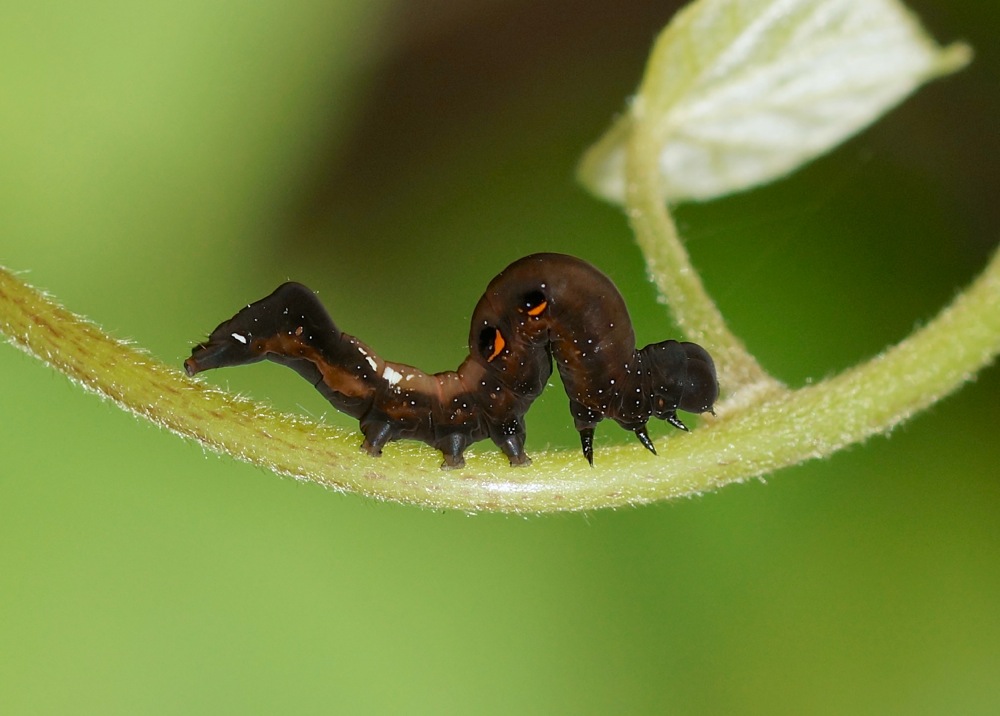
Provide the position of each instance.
(164, 163)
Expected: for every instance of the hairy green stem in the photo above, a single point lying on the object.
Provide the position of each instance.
(783, 429)
(670, 267)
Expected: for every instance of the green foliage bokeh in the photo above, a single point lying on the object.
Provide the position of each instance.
(165, 163)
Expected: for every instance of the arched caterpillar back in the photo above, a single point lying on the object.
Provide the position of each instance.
(540, 308)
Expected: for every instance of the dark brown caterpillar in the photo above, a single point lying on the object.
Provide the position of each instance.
(540, 307)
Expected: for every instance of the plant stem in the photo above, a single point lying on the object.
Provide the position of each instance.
(784, 429)
(670, 267)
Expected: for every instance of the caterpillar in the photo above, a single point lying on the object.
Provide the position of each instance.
(542, 308)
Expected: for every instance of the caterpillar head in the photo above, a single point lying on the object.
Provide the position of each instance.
(682, 376)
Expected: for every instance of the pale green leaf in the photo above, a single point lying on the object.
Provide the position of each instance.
(740, 92)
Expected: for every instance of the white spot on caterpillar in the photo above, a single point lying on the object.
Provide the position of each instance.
(241, 339)
(371, 361)
(391, 376)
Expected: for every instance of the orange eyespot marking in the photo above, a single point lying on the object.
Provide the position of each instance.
(537, 310)
(498, 344)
